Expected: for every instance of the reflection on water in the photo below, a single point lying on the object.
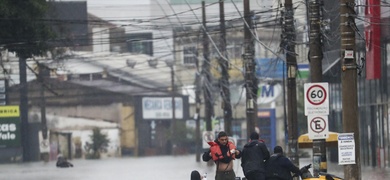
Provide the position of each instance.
(377, 173)
(142, 168)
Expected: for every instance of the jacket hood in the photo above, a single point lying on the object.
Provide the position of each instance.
(252, 143)
(276, 155)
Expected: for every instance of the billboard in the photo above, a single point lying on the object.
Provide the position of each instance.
(9, 126)
(275, 68)
(160, 107)
(267, 93)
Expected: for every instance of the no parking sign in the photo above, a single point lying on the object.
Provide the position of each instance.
(207, 136)
(318, 127)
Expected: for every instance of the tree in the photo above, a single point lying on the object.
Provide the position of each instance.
(185, 138)
(23, 30)
(99, 144)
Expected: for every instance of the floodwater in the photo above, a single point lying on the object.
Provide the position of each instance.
(141, 168)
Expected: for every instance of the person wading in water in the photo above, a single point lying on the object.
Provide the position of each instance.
(222, 152)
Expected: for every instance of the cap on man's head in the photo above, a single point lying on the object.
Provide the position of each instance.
(278, 149)
(254, 136)
(222, 134)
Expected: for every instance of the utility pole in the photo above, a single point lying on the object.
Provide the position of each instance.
(24, 109)
(41, 75)
(292, 116)
(249, 66)
(315, 59)
(206, 75)
(207, 84)
(224, 64)
(173, 109)
(349, 83)
(198, 100)
(171, 64)
(197, 112)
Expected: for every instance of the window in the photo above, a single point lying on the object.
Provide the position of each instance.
(189, 55)
(140, 43)
(137, 47)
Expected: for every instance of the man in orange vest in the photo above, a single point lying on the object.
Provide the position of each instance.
(223, 152)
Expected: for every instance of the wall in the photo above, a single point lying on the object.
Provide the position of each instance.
(110, 112)
(128, 136)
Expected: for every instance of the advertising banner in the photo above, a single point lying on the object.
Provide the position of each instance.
(9, 126)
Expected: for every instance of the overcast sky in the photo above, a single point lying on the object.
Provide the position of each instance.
(112, 2)
(117, 9)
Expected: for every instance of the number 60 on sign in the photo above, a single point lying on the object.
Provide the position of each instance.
(316, 99)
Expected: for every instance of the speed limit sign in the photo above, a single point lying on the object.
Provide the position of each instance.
(316, 99)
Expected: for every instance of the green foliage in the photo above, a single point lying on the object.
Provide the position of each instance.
(23, 28)
(99, 144)
(184, 137)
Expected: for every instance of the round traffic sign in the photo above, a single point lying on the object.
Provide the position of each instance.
(316, 94)
(208, 136)
(45, 143)
(317, 124)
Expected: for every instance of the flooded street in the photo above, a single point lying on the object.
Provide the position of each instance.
(159, 167)
(142, 168)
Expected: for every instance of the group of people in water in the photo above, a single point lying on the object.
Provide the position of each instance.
(256, 161)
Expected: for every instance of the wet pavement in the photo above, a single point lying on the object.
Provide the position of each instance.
(142, 168)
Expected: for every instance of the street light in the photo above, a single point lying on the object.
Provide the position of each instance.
(170, 63)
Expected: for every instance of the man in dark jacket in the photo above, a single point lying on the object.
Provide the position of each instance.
(279, 167)
(252, 158)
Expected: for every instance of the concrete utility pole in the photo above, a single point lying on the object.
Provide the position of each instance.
(224, 64)
(349, 83)
(27, 156)
(197, 113)
(249, 65)
(41, 76)
(207, 84)
(198, 90)
(173, 109)
(171, 64)
(315, 59)
(43, 101)
(292, 116)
